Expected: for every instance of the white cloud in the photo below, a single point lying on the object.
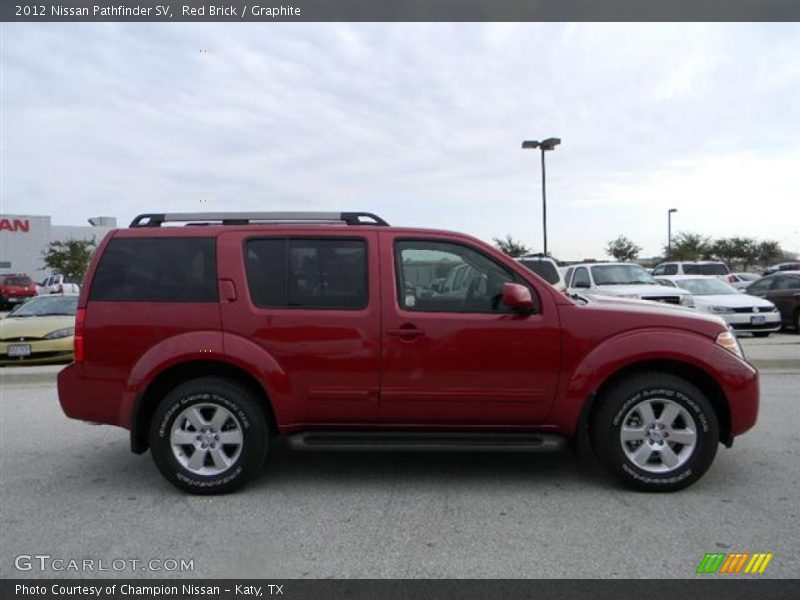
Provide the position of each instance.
(419, 122)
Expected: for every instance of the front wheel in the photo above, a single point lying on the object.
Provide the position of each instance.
(655, 432)
(209, 436)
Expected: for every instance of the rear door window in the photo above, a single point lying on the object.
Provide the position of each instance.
(305, 273)
(157, 269)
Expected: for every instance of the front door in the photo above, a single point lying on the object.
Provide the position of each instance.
(453, 353)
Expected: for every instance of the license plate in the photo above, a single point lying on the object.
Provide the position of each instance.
(19, 350)
(14, 300)
(759, 320)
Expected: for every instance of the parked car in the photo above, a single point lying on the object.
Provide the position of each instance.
(624, 280)
(785, 266)
(329, 333)
(782, 289)
(58, 284)
(695, 267)
(744, 313)
(15, 288)
(39, 331)
(546, 268)
(742, 280)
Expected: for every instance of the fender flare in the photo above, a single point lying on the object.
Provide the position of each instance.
(622, 352)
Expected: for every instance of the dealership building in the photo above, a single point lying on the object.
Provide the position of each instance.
(25, 238)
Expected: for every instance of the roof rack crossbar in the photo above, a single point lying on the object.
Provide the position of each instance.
(246, 218)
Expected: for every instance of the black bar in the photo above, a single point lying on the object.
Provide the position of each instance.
(400, 10)
(730, 587)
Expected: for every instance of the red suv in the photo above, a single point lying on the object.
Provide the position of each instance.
(333, 330)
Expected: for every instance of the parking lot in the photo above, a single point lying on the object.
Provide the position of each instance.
(74, 491)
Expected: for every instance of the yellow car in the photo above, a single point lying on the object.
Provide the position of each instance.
(39, 331)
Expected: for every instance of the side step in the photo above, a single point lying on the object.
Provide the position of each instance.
(425, 441)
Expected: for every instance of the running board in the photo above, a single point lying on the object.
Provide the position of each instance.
(425, 441)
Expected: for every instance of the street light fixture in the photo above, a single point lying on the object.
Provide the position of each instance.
(669, 230)
(544, 145)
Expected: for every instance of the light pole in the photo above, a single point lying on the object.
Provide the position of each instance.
(544, 145)
(669, 231)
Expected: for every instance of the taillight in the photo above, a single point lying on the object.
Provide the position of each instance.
(60, 289)
(80, 317)
(731, 278)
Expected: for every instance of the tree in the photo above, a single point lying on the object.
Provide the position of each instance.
(69, 258)
(688, 246)
(769, 251)
(510, 246)
(623, 249)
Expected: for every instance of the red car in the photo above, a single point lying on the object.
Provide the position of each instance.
(15, 289)
(334, 331)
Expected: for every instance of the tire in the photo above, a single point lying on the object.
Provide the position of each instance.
(205, 413)
(761, 334)
(662, 453)
(797, 321)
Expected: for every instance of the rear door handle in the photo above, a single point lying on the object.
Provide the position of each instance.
(405, 333)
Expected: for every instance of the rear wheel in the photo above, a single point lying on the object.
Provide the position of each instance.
(797, 321)
(655, 432)
(209, 436)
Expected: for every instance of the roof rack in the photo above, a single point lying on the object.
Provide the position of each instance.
(246, 218)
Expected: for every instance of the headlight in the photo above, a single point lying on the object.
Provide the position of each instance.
(727, 340)
(60, 333)
(721, 310)
(687, 301)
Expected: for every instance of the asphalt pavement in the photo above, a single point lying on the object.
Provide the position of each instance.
(73, 491)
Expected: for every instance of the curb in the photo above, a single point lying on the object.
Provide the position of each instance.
(28, 375)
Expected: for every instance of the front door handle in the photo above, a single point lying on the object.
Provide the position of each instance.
(408, 333)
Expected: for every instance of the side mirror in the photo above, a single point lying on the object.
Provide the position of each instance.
(517, 296)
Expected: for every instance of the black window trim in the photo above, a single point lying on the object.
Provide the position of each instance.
(516, 278)
(287, 238)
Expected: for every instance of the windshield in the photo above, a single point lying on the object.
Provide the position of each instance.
(705, 269)
(706, 287)
(621, 275)
(40, 307)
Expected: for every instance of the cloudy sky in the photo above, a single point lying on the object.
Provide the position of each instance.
(420, 123)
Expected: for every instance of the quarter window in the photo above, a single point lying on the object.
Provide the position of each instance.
(157, 269)
(307, 273)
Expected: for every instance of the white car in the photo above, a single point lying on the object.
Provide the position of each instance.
(744, 313)
(58, 284)
(695, 267)
(742, 280)
(622, 280)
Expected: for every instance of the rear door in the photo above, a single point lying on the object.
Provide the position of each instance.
(460, 357)
(309, 300)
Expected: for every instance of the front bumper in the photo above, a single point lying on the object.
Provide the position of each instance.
(742, 322)
(739, 382)
(41, 351)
